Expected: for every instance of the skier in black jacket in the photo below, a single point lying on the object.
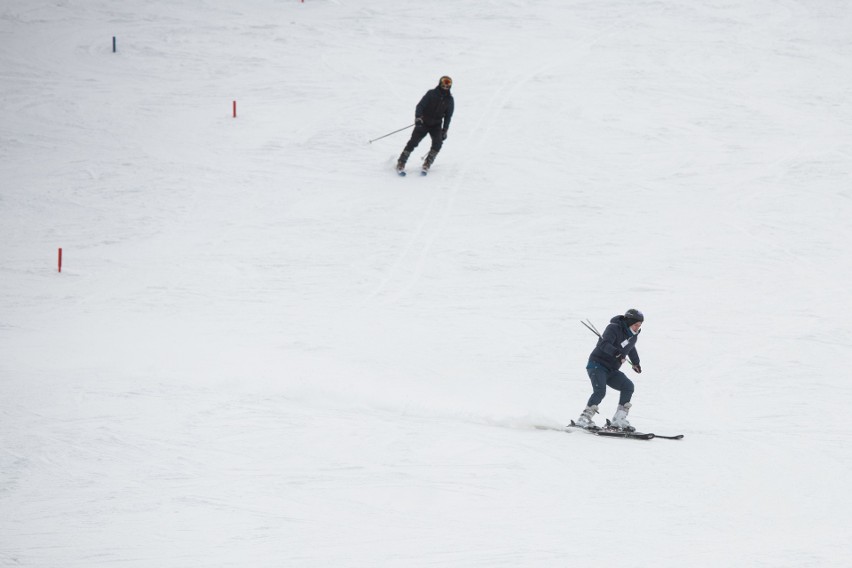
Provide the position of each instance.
(432, 116)
(617, 344)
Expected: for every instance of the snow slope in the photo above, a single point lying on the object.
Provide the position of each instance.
(265, 349)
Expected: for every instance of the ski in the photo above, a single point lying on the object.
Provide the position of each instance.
(625, 434)
(676, 437)
(614, 433)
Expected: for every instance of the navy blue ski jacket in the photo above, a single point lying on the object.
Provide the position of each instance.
(435, 106)
(616, 342)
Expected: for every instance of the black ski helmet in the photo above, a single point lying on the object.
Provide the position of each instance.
(632, 316)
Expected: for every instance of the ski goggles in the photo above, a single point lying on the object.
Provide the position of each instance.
(446, 83)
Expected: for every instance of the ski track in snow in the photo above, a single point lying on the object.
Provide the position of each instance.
(480, 133)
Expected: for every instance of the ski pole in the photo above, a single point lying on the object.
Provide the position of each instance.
(591, 327)
(394, 132)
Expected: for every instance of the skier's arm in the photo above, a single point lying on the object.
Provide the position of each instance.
(448, 116)
(608, 343)
(421, 106)
(633, 357)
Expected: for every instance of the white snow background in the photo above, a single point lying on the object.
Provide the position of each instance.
(265, 349)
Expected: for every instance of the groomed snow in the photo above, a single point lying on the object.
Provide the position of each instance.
(264, 349)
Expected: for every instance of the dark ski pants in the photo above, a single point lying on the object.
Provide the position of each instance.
(420, 132)
(601, 377)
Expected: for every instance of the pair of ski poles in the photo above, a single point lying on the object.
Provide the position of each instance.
(591, 327)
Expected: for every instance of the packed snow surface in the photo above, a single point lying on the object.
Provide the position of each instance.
(265, 349)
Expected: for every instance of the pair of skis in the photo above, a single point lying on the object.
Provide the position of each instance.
(401, 173)
(424, 171)
(609, 431)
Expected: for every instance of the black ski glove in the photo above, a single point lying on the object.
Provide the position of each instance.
(637, 368)
(443, 135)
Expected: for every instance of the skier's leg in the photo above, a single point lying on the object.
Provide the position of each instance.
(620, 382)
(620, 418)
(437, 142)
(418, 134)
(586, 419)
(598, 376)
(400, 163)
(437, 138)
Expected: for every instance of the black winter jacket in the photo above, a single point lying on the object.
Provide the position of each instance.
(616, 342)
(435, 106)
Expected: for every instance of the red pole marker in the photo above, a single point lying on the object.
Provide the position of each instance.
(235, 109)
(60, 259)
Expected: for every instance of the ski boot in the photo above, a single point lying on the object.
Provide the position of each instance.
(586, 418)
(619, 421)
(427, 163)
(400, 163)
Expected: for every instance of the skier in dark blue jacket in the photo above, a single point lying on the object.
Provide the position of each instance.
(432, 116)
(616, 344)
